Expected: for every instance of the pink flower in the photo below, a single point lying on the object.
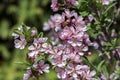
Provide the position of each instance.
(56, 52)
(54, 5)
(85, 48)
(72, 2)
(87, 41)
(77, 69)
(80, 24)
(57, 6)
(103, 77)
(91, 17)
(54, 40)
(61, 72)
(89, 75)
(46, 48)
(76, 38)
(41, 66)
(27, 75)
(68, 49)
(58, 57)
(42, 40)
(54, 22)
(48, 25)
(74, 70)
(74, 42)
(106, 2)
(69, 13)
(57, 19)
(35, 48)
(38, 46)
(59, 61)
(34, 32)
(95, 44)
(20, 43)
(15, 35)
(85, 72)
(74, 57)
(66, 33)
(78, 35)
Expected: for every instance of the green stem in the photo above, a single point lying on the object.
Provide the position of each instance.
(91, 64)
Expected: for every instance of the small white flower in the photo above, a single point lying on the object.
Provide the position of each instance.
(41, 66)
(15, 35)
(58, 61)
(27, 75)
(46, 26)
(85, 48)
(61, 73)
(20, 43)
(33, 32)
(42, 40)
(81, 53)
(106, 2)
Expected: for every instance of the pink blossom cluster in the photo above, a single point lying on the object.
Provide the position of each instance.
(20, 41)
(36, 49)
(66, 56)
(73, 44)
(67, 3)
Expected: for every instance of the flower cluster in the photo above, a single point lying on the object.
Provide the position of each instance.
(20, 41)
(24, 36)
(68, 46)
(59, 6)
(71, 32)
(66, 55)
(75, 72)
(39, 45)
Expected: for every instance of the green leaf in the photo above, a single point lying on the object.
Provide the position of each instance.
(117, 72)
(99, 67)
(105, 70)
(40, 35)
(89, 26)
(109, 7)
(84, 13)
(53, 67)
(101, 54)
(18, 32)
(24, 28)
(114, 41)
(39, 58)
(26, 32)
(22, 63)
(107, 43)
(49, 59)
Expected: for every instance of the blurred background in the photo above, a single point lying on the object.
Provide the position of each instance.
(12, 13)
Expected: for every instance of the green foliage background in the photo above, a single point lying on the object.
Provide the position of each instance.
(12, 14)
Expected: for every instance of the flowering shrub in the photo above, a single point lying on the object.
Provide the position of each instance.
(76, 33)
